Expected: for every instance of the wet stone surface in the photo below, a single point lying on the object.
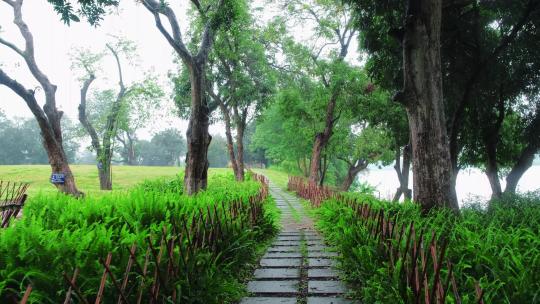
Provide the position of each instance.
(282, 255)
(277, 273)
(321, 262)
(316, 273)
(326, 287)
(289, 262)
(273, 287)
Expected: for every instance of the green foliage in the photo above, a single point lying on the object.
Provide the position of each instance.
(58, 233)
(497, 246)
(164, 149)
(20, 141)
(92, 10)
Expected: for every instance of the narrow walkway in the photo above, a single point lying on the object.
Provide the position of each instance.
(298, 267)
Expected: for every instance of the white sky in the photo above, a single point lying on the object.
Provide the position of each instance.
(54, 41)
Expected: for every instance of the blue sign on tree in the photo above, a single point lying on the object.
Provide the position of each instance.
(58, 178)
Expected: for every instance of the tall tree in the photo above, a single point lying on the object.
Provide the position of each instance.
(333, 26)
(109, 111)
(475, 37)
(242, 82)
(422, 96)
(140, 108)
(48, 117)
(213, 14)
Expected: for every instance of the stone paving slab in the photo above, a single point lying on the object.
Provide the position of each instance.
(286, 243)
(289, 238)
(315, 243)
(319, 248)
(268, 300)
(327, 300)
(326, 287)
(322, 254)
(277, 273)
(318, 273)
(282, 255)
(292, 262)
(321, 262)
(284, 249)
(273, 287)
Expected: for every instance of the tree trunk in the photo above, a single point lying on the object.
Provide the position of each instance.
(491, 141)
(105, 177)
(59, 163)
(240, 152)
(352, 172)
(422, 96)
(240, 119)
(130, 150)
(323, 168)
(321, 139)
(228, 136)
(305, 167)
(521, 166)
(198, 138)
(403, 173)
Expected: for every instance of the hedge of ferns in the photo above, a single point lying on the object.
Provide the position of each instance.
(498, 246)
(58, 233)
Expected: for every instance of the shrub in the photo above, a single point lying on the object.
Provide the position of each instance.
(498, 246)
(59, 233)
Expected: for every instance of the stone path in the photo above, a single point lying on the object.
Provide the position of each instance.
(298, 267)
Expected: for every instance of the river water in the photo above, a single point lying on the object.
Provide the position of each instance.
(471, 183)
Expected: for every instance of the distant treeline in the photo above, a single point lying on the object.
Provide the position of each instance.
(20, 143)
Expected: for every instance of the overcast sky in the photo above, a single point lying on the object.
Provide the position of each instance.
(54, 41)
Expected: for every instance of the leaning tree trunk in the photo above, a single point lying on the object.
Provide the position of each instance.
(526, 158)
(352, 172)
(198, 138)
(321, 139)
(59, 163)
(524, 162)
(403, 173)
(422, 96)
(48, 117)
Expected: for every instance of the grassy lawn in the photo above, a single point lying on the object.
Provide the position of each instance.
(86, 176)
(280, 178)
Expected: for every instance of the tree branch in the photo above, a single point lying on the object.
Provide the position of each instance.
(13, 47)
(504, 43)
(176, 39)
(26, 95)
(119, 67)
(83, 117)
